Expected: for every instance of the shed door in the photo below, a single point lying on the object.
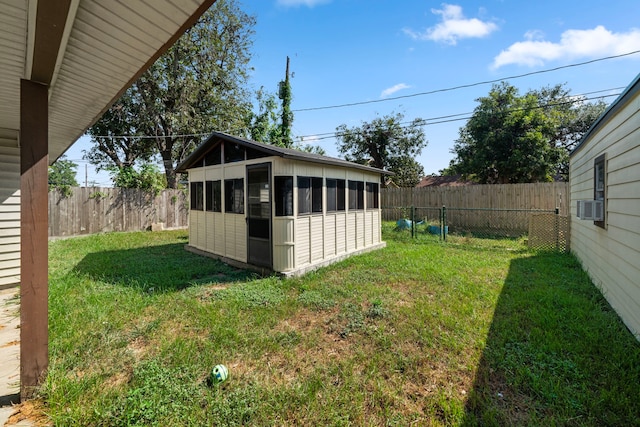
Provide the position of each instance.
(259, 215)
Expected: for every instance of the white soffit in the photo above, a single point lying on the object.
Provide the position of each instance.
(104, 45)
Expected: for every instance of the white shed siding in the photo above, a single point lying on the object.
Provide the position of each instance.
(352, 231)
(341, 233)
(318, 235)
(360, 227)
(303, 241)
(283, 244)
(9, 213)
(218, 234)
(299, 242)
(330, 234)
(611, 255)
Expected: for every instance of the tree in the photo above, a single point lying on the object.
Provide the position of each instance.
(197, 86)
(512, 138)
(146, 177)
(263, 125)
(62, 175)
(114, 136)
(386, 143)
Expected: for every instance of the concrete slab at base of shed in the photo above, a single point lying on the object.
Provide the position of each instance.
(291, 273)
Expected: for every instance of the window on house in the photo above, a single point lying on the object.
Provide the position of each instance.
(335, 195)
(356, 195)
(599, 185)
(234, 196)
(213, 196)
(284, 195)
(309, 195)
(372, 195)
(197, 196)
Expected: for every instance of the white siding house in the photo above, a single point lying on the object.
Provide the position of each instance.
(277, 209)
(605, 172)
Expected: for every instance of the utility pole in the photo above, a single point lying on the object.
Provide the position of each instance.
(287, 115)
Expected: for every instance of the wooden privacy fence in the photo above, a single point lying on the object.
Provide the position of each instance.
(89, 210)
(537, 196)
(539, 211)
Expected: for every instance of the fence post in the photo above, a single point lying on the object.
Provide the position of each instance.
(413, 221)
(443, 224)
(557, 228)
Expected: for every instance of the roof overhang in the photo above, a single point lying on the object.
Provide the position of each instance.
(87, 51)
(272, 150)
(630, 92)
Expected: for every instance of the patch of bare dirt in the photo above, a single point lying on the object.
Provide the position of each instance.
(30, 410)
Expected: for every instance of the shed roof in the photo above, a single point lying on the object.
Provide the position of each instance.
(611, 111)
(286, 153)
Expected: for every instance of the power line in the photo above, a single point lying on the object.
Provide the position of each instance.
(352, 104)
(456, 117)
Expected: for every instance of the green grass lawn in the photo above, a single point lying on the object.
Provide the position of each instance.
(419, 333)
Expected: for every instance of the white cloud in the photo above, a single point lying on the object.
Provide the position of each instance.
(573, 44)
(454, 26)
(393, 89)
(295, 3)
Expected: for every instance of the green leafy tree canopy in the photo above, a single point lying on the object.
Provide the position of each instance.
(197, 86)
(62, 175)
(386, 143)
(513, 138)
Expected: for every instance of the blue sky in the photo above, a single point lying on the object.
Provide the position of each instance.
(357, 51)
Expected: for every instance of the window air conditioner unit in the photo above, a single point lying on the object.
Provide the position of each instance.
(592, 210)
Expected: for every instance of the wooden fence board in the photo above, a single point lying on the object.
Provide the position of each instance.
(544, 196)
(90, 210)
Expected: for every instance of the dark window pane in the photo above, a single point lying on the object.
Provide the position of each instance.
(372, 195)
(209, 196)
(340, 194)
(284, 195)
(304, 195)
(233, 153)
(234, 195)
(255, 154)
(332, 195)
(214, 196)
(353, 195)
(214, 157)
(316, 196)
(360, 195)
(197, 196)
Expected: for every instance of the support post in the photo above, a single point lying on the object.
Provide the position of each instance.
(34, 163)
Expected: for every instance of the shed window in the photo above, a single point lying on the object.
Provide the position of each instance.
(599, 185)
(335, 195)
(356, 195)
(309, 195)
(284, 195)
(214, 157)
(372, 195)
(234, 195)
(214, 196)
(233, 153)
(197, 196)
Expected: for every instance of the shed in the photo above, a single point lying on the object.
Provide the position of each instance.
(605, 201)
(277, 209)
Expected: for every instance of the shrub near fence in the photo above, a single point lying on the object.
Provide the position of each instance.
(89, 210)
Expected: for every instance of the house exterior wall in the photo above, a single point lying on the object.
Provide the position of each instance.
(9, 213)
(611, 254)
(299, 242)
